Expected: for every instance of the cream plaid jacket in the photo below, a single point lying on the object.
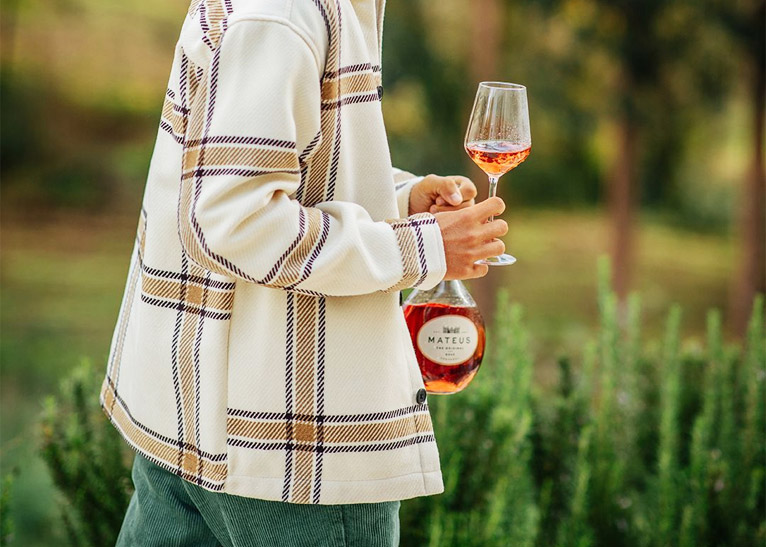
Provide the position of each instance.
(260, 348)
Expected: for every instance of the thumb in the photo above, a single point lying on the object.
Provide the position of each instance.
(450, 192)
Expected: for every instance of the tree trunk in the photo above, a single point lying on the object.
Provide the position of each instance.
(486, 24)
(486, 21)
(621, 200)
(8, 35)
(751, 277)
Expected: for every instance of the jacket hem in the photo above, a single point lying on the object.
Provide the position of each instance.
(342, 492)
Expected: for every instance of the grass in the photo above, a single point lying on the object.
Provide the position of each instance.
(555, 276)
(61, 280)
(61, 286)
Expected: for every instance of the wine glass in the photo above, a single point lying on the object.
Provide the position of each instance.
(498, 137)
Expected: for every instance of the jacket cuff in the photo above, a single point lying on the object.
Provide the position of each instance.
(422, 251)
(403, 190)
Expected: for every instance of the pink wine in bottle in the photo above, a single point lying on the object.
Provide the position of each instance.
(447, 333)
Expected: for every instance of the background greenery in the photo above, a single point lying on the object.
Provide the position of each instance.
(80, 97)
(601, 459)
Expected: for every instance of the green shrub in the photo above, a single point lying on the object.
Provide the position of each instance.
(642, 447)
(6, 522)
(87, 460)
(484, 437)
(645, 445)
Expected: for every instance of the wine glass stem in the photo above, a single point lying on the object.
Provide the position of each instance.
(492, 190)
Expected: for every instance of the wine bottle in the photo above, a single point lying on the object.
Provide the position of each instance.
(447, 332)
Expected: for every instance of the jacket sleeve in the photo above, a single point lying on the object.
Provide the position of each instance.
(253, 122)
(403, 183)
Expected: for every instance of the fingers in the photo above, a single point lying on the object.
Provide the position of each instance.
(455, 188)
(487, 249)
(496, 228)
(479, 270)
(473, 271)
(493, 248)
(488, 208)
(449, 192)
(437, 194)
(446, 208)
(468, 237)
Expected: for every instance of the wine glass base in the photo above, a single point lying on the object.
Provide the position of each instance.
(500, 260)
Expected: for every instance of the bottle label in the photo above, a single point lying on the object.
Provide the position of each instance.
(448, 339)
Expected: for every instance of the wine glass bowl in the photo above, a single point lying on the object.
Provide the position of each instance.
(498, 138)
(496, 158)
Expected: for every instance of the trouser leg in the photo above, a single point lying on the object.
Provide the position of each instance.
(161, 513)
(249, 522)
(167, 511)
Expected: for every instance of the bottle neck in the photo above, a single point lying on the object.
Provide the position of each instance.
(455, 288)
(448, 292)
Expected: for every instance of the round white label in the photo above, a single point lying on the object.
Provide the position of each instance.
(448, 339)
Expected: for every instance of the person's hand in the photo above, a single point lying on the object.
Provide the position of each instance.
(468, 237)
(435, 194)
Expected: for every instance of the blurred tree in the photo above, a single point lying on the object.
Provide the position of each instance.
(639, 77)
(413, 57)
(745, 21)
(627, 29)
(486, 34)
(660, 72)
(8, 24)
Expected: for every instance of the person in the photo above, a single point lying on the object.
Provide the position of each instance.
(261, 367)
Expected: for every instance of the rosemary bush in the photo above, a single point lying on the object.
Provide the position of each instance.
(87, 459)
(640, 447)
(6, 524)
(635, 447)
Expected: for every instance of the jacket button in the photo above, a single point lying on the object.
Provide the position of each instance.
(420, 397)
(380, 92)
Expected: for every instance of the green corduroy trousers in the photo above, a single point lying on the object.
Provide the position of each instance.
(167, 511)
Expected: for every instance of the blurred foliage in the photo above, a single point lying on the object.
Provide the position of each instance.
(6, 521)
(641, 448)
(88, 462)
(82, 92)
(673, 67)
(80, 99)
(62, 276)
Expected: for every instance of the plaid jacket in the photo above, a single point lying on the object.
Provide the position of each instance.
(260, 348)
